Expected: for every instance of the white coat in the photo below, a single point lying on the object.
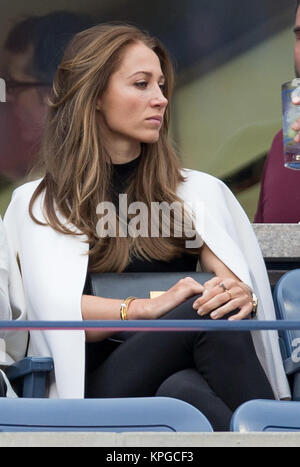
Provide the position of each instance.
(5, 310)
(54, 268)
(12, 344)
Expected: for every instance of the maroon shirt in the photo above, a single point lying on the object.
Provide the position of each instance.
(279, 201)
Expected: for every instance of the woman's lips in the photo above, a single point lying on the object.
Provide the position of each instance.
(155, 120)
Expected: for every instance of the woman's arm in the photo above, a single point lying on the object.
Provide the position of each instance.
(220, 300)
(5, 310)
(214, 297)
(98, 308)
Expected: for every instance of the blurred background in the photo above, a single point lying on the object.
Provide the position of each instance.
(230, 56)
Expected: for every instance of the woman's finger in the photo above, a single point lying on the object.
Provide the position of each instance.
(212, 283)
(209, 294)
(244, 313)
(218, 307)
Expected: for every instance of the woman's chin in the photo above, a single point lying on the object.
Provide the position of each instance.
(150, 139)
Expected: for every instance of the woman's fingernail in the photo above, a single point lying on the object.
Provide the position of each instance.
(200, 311)
(195, 306)
(214, 314)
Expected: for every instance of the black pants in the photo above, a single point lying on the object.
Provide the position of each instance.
(214, 371)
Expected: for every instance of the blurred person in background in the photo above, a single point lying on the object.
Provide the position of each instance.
(30, 55)
(279, 200)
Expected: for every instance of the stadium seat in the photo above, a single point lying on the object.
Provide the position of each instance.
(264, 415)
(287, 305)
(117, 415)
(29, 376)
(33, 412)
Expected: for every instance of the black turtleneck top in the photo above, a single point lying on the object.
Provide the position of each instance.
(121, 176)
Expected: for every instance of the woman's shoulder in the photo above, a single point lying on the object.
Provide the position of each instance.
(25, 191)
(202, 180)
(3, 246)
(17, 210)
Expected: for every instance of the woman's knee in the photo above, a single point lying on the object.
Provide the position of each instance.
(182, 383)
(229, 343)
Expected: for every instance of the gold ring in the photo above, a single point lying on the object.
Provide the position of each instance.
(230, 296)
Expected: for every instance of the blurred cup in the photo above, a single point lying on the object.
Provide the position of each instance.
(290, 113)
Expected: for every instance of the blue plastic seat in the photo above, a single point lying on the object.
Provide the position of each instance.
(117, 415)
(30, 376)
(287, 305)
(265, 415)
(33, 412)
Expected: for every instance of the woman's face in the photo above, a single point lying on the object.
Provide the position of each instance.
(133, 106)
(28, 102)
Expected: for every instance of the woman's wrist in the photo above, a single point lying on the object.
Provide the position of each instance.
(254, 299)
(138, 309)
(248, 288)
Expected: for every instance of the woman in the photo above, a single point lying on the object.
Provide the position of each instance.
(5, 311)
(12, 346)
(106, 135)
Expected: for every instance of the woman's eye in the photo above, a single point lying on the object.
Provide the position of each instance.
(145, 84)
(141, 84)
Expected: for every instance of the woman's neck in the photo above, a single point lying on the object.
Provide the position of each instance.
(123, 152)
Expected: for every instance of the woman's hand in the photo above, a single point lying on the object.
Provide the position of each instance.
(223, 295)
(154, 308)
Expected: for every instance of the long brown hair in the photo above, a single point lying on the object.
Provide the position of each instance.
(77, 170)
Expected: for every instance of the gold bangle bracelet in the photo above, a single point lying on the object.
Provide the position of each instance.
(124, 307)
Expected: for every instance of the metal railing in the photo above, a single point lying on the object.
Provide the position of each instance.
(153, 325)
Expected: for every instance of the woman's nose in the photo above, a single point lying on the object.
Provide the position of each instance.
(159, 99)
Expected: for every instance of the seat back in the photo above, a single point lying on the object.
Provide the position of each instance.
(29, 376)
(287, 305)
(118, 415)
(266, 415)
